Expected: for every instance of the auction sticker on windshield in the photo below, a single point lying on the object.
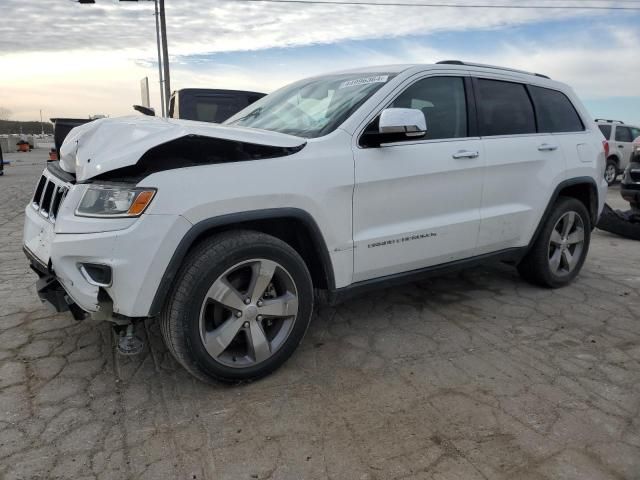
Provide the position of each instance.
(364, 81)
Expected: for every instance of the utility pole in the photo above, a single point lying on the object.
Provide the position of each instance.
(165, 56)
(163, 63)
(161, 82)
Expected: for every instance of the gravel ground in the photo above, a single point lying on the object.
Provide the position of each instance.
(469, 376)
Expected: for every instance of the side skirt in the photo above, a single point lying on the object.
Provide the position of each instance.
(510, 255)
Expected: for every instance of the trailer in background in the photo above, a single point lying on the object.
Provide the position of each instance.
(62, 127)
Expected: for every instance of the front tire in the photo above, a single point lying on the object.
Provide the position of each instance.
(240, 306)
(561, 247)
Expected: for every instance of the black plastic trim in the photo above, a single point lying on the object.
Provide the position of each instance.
(510, 255)
(527, 88)
(593, 208)
(58, 172)
(458, 62)
(37, 265)
(50, 290)
(473, 129)
(237, 218)
(339, 295)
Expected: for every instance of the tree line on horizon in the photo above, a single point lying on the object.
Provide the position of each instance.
(8, 127)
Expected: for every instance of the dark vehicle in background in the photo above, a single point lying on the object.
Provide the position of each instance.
(62, 127)
(201, 104)
(209, 105)
(630, 187)
(1, 164)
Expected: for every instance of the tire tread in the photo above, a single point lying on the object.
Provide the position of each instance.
(198, 260)
(534, 267)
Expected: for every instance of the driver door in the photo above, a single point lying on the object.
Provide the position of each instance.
(417, 201)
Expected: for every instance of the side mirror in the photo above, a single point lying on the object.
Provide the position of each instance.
(407, 121)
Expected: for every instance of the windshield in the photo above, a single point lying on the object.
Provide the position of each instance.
(313, 107)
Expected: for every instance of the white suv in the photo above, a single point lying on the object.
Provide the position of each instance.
(337, 183)
(620, 137)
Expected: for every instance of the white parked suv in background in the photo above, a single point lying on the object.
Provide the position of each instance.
(337, 183)
(620, 137)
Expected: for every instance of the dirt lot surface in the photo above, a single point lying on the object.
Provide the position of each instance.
(469, 376)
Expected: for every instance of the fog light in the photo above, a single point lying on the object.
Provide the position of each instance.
(96, 274)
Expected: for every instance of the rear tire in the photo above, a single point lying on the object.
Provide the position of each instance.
(560, 250)
(240, 306)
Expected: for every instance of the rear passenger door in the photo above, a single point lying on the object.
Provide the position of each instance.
(522, 166)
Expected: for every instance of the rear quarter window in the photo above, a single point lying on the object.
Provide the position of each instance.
(606, 130)
(504, 108)
(554, 111)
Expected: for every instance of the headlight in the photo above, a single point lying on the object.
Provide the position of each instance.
(112, 201)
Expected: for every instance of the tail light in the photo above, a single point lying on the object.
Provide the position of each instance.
(605, 145)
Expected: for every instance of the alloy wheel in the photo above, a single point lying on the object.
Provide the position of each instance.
(248, 313)
(610, 173)
(566, 243)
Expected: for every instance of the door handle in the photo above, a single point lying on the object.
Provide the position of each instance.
(465, 154)
(620, 146)
(545, 147)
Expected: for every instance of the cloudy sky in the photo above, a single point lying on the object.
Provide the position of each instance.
(77, 60)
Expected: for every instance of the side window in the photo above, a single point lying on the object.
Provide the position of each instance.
(623, 134)
(635, 132)
(554, 111)
(443, 102)
(504, 108)
(606, 130)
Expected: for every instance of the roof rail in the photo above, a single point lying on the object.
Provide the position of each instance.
(609, 121)
(458, 62)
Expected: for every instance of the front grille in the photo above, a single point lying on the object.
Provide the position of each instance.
(634, 173)
(48, 197)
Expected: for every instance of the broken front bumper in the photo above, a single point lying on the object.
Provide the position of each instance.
(50, 290)
(136, 256)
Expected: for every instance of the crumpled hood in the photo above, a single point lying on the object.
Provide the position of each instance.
(111, 143)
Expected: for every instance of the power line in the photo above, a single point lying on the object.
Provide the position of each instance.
(447, 5)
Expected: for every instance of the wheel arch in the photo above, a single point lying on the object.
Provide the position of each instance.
(583, 189)
(292, 225)
(615, 157)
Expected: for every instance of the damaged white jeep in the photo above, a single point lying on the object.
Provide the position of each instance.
(337, 183)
